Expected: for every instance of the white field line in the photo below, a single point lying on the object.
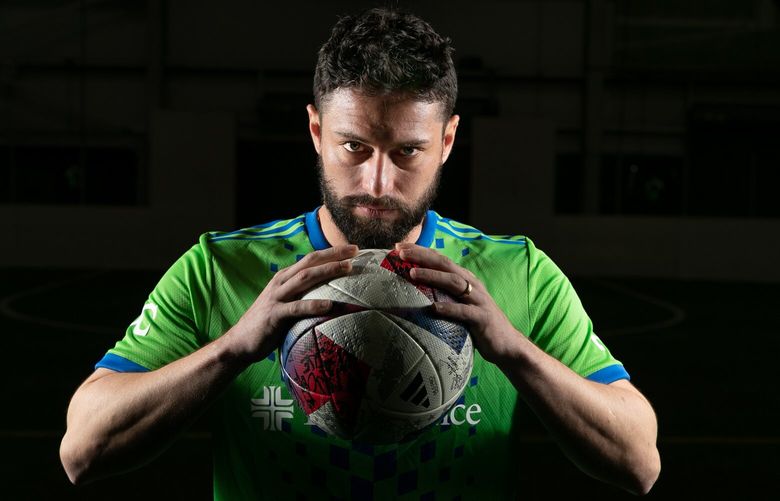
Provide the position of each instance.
(6, 308)
(676, 314)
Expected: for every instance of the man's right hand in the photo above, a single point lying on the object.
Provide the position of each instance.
(119, 420)
(260, 329)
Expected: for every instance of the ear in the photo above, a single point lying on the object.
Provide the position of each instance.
(315, 129)
(449, 136)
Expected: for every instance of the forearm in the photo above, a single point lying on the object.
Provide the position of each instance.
(120, 420)
(609, 431)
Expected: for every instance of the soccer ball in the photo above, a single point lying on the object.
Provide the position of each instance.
(379, 368)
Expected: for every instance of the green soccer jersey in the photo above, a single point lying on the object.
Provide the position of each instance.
(263, 446)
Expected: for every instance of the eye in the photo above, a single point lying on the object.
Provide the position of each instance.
(352, 146)
(409, 151)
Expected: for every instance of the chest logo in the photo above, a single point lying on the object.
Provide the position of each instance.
(272, 408)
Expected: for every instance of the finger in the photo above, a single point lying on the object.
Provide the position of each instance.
(464, 313)
(451, 283)
(425, 257)
(315, 258)
(305, 279)
(306, 308)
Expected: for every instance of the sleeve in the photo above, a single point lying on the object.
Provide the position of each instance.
(173, 321)
(561, 327)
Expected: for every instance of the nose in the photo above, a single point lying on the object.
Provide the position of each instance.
(378, 175)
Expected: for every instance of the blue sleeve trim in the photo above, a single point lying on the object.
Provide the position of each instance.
(119, 364)
(428, 230)
(609, 374)
(314, 230)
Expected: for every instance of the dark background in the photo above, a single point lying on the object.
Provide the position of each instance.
(636, 142)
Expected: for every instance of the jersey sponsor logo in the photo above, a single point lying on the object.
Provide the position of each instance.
(141, 325)
(272, 408)
(460, 414)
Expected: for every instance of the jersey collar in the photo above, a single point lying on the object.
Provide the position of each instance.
(319, 242)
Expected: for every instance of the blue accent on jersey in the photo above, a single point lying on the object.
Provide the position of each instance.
(270, 236)
(119, 364)
(439, 243)
(479, 236)
(266, 225)
(609, 374)
(313, 228)
(249, 232)
(319, 242)
(428, 229)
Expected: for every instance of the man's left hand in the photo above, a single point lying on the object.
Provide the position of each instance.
(493, 335)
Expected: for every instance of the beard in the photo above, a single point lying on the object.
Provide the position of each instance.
(375, 233)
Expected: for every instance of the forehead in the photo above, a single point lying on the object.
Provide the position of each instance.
(380, 115)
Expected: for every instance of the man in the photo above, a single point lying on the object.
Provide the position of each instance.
(383, 126)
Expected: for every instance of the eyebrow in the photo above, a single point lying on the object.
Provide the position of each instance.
(350, 136)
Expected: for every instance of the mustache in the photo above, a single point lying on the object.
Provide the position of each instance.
(384, 202)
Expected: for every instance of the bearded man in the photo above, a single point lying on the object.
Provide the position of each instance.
(383, 126)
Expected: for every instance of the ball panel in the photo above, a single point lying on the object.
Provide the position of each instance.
(419, 390)
(376, 286)
(368, 334)
(329, 420)
(328, 291)
(316, 366)
(379, 425)
(392, 261)
(452, 367)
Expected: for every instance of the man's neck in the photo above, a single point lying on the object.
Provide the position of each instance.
(335, 237)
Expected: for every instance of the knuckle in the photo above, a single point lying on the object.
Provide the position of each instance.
(308, 258)
(295, 308)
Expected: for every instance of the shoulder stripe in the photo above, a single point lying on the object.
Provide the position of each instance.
(266, 229)
(285, 232)
(474, 234)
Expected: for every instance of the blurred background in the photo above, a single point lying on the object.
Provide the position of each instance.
(638, 143)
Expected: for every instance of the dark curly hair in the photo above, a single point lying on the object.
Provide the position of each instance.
(383, 51)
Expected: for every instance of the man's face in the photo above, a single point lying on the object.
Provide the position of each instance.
(379, 162)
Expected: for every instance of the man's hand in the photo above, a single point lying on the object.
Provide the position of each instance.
(260, 329)
(608, 430)
(117, 421)
(492, 333)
